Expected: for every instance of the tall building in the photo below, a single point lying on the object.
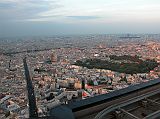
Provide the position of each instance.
(53, 57)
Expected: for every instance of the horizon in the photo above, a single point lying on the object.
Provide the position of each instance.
(77, 35)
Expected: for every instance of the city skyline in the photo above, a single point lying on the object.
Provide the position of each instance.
(55, 17)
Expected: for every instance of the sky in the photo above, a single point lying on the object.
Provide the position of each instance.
(61, 17)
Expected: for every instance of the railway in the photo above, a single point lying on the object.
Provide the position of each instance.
(128, 102)
(146, 106)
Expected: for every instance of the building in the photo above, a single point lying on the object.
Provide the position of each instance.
(53, 57)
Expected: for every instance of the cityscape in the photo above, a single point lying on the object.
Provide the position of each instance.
(79, 59)
(58, 80)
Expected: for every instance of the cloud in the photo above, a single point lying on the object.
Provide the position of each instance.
(16, 10)
(6, 5)
(28, 16)
(79, 10)
(84, 17)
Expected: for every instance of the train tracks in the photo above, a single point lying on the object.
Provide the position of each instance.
(146, 106)
(141, 101)
(150, 91)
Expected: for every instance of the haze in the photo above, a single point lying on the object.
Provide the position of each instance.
(58, 17)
